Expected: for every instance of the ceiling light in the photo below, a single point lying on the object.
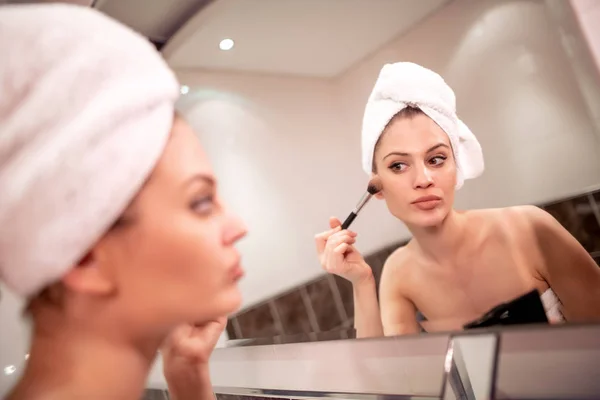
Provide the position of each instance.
(27, 356)
(185, 89)
(9, 370)
(226, 44)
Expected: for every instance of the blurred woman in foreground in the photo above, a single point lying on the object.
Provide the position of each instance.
(111, 225)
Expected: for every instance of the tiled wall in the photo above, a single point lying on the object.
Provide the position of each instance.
(326, 303)
(580, 216)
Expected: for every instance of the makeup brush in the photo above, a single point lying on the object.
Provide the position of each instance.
(373, 188)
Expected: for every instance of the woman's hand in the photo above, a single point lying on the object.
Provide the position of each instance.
(192, 344)
(186, 352)
(338, 255)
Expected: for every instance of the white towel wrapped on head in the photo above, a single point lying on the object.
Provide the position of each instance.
(406, 84)
(86, 107)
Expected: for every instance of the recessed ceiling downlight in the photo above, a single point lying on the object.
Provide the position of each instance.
(226, 44)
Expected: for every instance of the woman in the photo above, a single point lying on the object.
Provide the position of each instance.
(110, 222)
(458, 264)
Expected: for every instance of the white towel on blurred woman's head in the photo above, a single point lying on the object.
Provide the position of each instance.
(406, 84)
(86, 108)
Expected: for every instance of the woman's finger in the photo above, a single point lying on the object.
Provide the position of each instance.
(321, 238)
(342, 248)
(335, 240)
(331, 259)
(334, 222)
(327, 234)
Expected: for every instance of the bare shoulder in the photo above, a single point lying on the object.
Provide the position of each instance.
(547, 230)
(532, 213)
(396, 268)
(399, 256)
(521, 219)
(398, 260)
(506, 212)
(532, 217)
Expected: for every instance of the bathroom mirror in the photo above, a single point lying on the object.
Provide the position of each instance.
(280, 115)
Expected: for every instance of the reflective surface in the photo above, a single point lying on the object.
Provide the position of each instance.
(471, 366)
(408, 366)
(526, 84)
(560, 363)
(510, 363)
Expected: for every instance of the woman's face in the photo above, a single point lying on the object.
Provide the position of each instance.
(173, 258)
(416, 165)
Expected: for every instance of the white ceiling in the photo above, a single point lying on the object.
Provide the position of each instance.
(318, 38)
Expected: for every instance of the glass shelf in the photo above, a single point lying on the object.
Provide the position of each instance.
(534, 362)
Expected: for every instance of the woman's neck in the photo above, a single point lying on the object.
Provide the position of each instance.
(74, 363)
(439, 243)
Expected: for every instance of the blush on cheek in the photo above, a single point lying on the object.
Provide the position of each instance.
(396, 199)
(397, 208)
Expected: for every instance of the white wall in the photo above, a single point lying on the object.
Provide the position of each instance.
(515, 89)
(287, 150)
(14, 338)
(278, 153)
(580, 38)
(588, 14)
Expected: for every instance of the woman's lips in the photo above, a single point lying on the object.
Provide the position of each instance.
(236, 272)
(427, 203)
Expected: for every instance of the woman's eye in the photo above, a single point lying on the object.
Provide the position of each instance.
(203, 205)
(398, 167)
(437, 160)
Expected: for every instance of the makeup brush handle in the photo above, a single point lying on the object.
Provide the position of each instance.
(349, 220)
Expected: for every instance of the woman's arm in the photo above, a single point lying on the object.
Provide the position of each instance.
(568, 268)
(367, 321)
(398, 313)
(338, 256)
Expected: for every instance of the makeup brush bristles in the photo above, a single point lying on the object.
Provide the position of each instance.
(374, 186)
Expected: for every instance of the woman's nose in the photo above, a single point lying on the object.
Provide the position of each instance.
(235, 229)
(423, 178)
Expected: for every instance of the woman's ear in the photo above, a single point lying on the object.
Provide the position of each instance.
(88, 278)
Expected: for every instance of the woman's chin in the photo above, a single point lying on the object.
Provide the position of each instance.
(226, 303)
(230, 301)
(429, 219)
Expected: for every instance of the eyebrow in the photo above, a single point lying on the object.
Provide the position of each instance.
(397, 153)
(207, 179)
